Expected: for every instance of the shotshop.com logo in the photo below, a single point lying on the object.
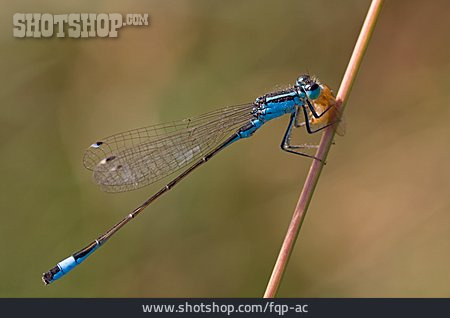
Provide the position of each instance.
(73, 25)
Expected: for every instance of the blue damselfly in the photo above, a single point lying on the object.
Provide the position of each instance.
(136, 158)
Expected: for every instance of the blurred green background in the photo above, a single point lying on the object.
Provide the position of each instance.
(379, 222)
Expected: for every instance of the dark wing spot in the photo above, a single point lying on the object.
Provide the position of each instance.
(97, 144)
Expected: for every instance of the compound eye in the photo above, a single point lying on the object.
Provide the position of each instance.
(312, 91)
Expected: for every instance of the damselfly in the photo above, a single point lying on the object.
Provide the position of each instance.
(136, 158)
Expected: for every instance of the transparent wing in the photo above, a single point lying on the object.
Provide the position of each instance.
(341, 127)
(139, 157)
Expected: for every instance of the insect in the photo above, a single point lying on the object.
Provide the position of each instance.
(137, 158)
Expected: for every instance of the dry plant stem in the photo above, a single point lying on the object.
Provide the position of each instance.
(322, 151)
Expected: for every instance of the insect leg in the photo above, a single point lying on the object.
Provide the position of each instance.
(286, 142)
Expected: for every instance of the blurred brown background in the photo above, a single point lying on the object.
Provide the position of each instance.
(379, 223)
